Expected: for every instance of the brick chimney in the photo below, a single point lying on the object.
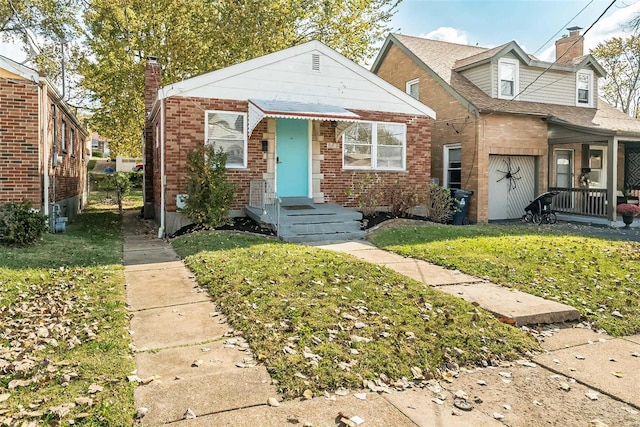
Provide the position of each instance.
(152, 76)
(566, 50)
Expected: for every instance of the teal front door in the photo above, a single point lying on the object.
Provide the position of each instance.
(292, 151)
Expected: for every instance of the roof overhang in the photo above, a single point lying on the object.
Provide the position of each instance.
(260, 108)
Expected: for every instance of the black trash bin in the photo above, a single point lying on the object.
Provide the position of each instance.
(461, 198)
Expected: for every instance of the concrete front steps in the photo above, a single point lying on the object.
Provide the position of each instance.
(302, 221)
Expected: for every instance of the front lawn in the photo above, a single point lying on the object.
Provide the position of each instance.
(64, 353)
(321, 320)
(598, 277)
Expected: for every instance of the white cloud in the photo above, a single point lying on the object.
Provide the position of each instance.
(447, 34)
(614, 25)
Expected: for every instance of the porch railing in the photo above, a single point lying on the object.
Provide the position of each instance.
(263, 197)
(580, 201)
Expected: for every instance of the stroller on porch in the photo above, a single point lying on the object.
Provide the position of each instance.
(540, 210)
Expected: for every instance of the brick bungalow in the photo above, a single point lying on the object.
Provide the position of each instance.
(42, 143)
(303, 123)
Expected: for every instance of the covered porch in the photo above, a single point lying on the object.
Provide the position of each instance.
(593, 170)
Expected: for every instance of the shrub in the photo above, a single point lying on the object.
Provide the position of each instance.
(367, 192)
(627, 209)
(439, 204)
(20, 225)
(135, 178)
(120, 183)
(402, 199)
(91, 164)
(209, 194)
(97, 153)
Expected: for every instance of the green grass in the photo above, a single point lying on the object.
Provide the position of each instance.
(596, 276)
(73, 284)
(106, 199)
(283, 295)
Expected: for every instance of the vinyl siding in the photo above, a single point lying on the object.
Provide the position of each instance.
(293, 79)
(554, 87)
(480, 76)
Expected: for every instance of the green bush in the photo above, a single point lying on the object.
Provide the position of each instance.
(402, 198)
(135, 178)
(91, 164)
(20, 225)
(367, 191)
(121, 183)
(209, 194)
(97, 153)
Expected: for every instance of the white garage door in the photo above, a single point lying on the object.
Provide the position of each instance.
(511, 185)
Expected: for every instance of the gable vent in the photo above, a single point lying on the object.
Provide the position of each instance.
(315, 62)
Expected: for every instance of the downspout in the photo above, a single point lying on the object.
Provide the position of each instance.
(54, 163)
(44, 121)
(163, 177)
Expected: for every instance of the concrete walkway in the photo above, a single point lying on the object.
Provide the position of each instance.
(194, 370)
(510, 304)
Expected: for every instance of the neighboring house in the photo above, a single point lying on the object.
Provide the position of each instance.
(99, 144)
(42, 143)
(511, 127)
(304, 123)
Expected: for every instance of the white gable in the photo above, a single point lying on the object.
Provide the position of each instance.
(310, 73)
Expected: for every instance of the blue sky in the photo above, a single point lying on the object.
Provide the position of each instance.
(490, 23)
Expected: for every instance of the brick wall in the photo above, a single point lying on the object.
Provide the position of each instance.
(454, 124)
(22, 166)
(20, 177)
(71, 173)
(185, 118)
(336, 180)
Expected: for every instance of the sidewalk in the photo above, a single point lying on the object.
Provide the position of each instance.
(190, 363)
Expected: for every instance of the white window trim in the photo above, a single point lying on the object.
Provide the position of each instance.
(374, 149)
(407, 86)
(588, 73)
(445, 162)
(603, 169)
(244, 133)
(516, 82)
(571, 169)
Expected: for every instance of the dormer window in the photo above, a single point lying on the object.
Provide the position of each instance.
(508, 76)
(584, 91)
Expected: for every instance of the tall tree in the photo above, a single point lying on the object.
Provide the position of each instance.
(40, 26)
(621, 58)
(191, 37)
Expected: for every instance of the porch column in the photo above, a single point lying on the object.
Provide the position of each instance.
(612, 179)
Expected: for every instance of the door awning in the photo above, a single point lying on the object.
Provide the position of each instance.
(259, 109)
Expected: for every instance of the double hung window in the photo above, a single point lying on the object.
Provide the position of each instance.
(228, 131)
(371, 145)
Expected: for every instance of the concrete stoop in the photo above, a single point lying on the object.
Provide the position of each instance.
(310, 222)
